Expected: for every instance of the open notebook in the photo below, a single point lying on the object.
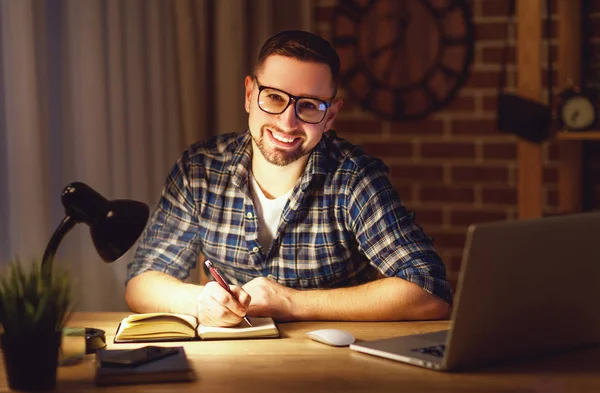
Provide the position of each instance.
(175, 327)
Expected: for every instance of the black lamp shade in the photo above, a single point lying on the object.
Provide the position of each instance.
(119, 229)
(114, 225)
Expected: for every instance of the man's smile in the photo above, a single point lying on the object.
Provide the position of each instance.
(282, 139)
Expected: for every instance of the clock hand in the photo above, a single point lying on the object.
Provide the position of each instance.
(575, 115)
(401, 18)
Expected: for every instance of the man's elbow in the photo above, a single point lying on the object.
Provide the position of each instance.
(132, 293)
(436, 308)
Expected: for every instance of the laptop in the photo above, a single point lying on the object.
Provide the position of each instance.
(526, 288)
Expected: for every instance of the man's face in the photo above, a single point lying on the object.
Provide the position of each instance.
(284, 138)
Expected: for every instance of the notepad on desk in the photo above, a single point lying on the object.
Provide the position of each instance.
(174, 327)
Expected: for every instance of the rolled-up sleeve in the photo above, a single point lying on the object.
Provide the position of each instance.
(169, 243)
(388, 235)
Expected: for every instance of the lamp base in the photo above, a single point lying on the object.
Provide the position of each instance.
(94, 339)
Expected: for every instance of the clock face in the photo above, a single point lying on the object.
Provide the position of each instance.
(403, 59)
(578, 113)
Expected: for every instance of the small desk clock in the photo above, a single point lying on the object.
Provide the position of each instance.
(577, 111)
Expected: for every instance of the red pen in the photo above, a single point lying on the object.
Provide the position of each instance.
(218, 278)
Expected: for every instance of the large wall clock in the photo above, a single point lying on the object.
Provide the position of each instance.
(403, 59)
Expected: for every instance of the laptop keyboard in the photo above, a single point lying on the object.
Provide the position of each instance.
(436, 350)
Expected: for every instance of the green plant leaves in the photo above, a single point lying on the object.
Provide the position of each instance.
(32, 303)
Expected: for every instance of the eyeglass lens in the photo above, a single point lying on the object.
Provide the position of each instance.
(309, 110)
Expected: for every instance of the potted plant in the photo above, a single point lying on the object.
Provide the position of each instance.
(33, 310)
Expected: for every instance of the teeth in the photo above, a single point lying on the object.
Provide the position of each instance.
(282, 139)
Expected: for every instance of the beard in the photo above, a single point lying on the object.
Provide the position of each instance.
(277, 156)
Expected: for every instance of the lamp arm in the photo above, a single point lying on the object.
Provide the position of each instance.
(65, 226)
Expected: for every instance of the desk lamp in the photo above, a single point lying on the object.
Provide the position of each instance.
(114, 227)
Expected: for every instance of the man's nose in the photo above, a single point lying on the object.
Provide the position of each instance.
(288, 118)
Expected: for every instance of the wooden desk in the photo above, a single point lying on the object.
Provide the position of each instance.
(294, 363)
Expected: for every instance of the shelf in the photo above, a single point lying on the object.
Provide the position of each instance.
(578, 135)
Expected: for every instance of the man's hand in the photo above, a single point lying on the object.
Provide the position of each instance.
(270, 299)
(216, 307)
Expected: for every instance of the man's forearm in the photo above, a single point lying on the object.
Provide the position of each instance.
(388, 299)
(159, 292)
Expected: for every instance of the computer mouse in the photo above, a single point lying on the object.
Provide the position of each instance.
(335, 337)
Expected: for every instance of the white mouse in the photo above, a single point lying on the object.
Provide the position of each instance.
(335, 337)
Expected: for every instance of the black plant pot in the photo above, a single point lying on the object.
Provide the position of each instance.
(31, 361)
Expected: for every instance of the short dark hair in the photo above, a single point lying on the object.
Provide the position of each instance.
(304, 46)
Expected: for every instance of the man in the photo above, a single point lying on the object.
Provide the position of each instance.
(304, 225)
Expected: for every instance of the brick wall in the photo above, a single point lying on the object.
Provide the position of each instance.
(455, 168)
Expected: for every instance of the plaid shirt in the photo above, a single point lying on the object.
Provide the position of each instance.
(342, 224)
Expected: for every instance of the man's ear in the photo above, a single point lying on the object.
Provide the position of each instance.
(249, 83)
(336, 105)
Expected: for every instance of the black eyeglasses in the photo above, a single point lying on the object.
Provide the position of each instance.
(274, 101)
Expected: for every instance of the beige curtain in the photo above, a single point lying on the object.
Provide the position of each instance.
(109, 92)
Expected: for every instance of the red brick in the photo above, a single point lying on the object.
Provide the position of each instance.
(550, 175)
(552, 197)
(423, 127)
(553, 152)
(490, 104)
(447, 150)
(500, 151)
(389, 149)
(483, 79)
(468, 217)
(462, 103)
(479, 174)
(358, 126)
(499, 196)
(428, 216)
(495, 55)
(494, 7)
(447, 239)
(447, 194)
(474, 127)
(417, 172)
(405, 192)
(490, 31)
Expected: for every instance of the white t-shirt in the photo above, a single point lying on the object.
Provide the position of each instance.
(269, 213)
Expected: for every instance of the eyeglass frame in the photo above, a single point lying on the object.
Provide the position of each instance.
(292, 98)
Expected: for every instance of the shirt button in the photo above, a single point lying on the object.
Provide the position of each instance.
(255, 249)
(249, 215)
